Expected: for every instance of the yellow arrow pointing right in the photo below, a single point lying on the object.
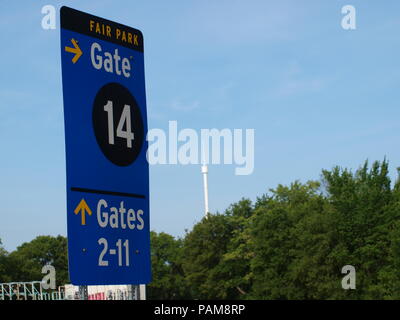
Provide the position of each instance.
(83, 208)
(78, 52)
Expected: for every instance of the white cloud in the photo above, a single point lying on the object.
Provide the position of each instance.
(294, 80)
(178, 105)
(297, 86)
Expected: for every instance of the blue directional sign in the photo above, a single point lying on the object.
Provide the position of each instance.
(105, 137)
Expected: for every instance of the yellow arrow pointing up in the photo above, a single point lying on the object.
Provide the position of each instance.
(78, 52)
(83, 208)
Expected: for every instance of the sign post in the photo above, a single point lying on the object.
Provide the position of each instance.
(107, 170)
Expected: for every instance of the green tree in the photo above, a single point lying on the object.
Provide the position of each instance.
(236, 261)
(294, 242)
(388, 276)
(364, 211)
(168, 281)
(281, 264)
(3, 264)
(27, 260)
(203, 251)
(313, 273)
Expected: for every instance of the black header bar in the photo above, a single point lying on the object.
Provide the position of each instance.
(100, 28)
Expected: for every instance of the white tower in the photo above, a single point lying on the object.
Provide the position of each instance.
(204, 171)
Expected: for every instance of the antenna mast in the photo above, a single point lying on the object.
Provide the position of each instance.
(204, 171)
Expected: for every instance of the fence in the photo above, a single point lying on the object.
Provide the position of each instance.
(27, 291)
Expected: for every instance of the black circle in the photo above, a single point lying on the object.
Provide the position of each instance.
(117, 149)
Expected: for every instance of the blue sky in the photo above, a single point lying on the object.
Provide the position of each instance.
(316, 95)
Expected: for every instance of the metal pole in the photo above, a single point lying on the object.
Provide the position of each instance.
(204, 171)
(134, 292)
(137, 288)
(83, 292)
(142, 292)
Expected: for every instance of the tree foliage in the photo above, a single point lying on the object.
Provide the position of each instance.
(291, 243)
(27, 261)
(168, 281)
(3, 264)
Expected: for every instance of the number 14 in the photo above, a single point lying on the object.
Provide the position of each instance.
(125, 119)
